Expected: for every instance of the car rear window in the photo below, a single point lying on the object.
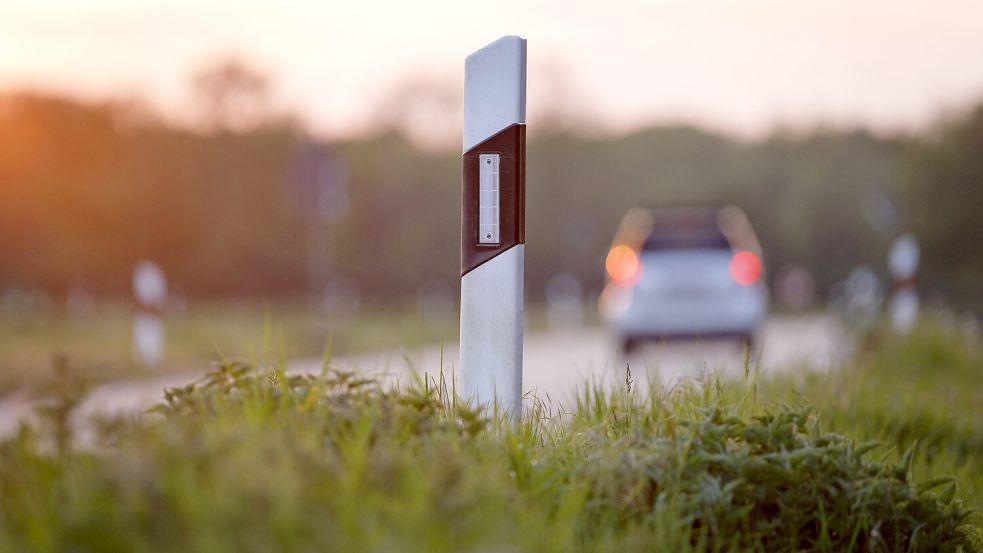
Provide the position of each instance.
(686, 237)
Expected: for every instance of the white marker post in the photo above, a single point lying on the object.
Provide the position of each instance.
(150, 292)
(493, 225)
(902, 262)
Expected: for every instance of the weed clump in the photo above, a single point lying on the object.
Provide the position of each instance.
(774, 482)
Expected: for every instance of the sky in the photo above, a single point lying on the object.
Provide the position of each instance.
(743, 66)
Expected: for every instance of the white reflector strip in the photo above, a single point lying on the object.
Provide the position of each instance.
(488, 208)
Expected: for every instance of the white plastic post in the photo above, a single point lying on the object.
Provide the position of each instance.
(903, 258)
(493, 225)
(150, 292)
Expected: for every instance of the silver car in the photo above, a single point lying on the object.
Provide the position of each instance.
(684, 273)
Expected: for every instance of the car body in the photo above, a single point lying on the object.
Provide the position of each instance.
(684, 273)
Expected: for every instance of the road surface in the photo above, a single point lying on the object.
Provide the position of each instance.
(555, 364)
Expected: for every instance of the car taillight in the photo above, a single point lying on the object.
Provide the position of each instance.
(745, 268)
(623, 266)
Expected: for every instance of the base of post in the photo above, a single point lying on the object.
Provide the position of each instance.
(492, 313)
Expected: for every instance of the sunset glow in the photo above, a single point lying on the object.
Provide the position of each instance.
(742, 66)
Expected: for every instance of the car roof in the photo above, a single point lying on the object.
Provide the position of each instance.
(728, 221)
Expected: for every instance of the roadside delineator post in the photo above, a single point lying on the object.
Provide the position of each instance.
(493, 225)
(902, 261)
(150, 293)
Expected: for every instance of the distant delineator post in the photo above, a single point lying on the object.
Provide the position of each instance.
(493, 224)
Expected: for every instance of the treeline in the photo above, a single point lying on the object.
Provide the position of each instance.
(88, 190)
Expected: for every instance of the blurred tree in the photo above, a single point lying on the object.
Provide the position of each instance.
(944, 196)
(556, 105)
(231, 96)
(426, 109)
(86, 190)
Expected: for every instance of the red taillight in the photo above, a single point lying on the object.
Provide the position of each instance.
(623, 266)
(745, 268)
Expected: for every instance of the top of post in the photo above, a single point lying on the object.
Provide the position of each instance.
(494, 89)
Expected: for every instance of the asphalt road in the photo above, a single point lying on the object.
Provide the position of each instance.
(556, 363)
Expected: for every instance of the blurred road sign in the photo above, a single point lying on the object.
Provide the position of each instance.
(879, 211)
(320, 178)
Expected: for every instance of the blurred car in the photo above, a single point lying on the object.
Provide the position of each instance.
(684, 273)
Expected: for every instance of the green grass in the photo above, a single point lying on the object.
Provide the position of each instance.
(251, 459)
(925, 389)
